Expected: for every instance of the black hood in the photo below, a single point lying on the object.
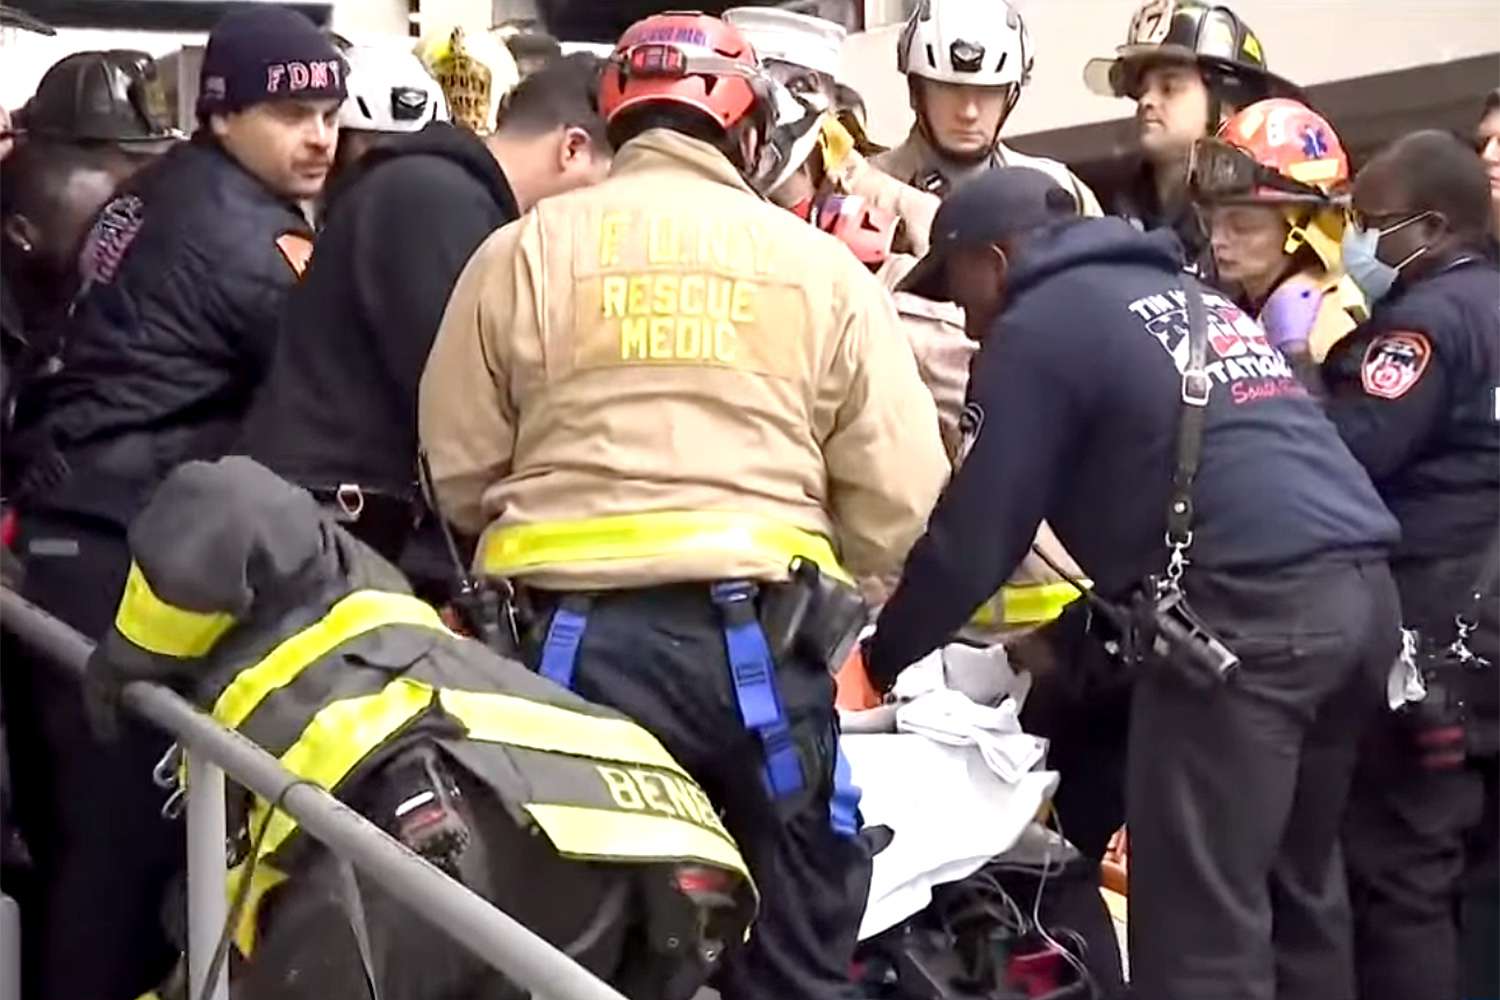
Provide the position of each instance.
(450, 142)
(1046, 251)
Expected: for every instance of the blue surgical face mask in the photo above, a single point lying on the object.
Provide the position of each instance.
(1373, 275)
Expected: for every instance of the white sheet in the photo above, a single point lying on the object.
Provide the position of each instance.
(949, 810)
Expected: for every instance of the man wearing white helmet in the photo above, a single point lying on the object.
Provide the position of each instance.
(815, 165)
(390, 93)
(966, 62)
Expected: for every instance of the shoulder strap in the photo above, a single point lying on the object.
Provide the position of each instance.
(1195, 390)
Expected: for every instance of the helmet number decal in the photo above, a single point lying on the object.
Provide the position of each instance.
(1152, 22)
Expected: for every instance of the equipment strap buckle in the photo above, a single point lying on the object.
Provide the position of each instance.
(165, 774)
(753, 671)
(351, 500)
(1196, 386)
(564, 636)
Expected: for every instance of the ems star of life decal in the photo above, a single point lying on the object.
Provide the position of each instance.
(1394, 362)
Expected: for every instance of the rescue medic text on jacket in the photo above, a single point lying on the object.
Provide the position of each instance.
(667, 343)
(1076, 395)
(184, 274)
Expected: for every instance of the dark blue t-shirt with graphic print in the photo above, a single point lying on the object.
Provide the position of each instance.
(1073, 410)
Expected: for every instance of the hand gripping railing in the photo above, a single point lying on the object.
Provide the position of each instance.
(213, 750)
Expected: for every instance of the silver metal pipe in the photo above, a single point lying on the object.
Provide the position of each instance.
(493, 936)
(10, 949)
(208, 899)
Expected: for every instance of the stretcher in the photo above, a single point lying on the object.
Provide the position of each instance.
(968, 833)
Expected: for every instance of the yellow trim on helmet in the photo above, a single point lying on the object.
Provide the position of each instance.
(165, 629)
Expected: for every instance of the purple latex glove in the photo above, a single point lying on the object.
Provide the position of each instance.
(1289, 314)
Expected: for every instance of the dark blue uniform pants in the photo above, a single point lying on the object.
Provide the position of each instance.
(658, 655)
(1235, 794)
(1404, 838)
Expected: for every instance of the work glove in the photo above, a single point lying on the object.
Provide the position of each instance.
(104, 683)
(1289, 314)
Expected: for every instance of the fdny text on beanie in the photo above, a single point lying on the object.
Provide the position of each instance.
(258, 54)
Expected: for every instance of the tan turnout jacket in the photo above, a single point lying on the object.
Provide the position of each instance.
(667, 342)
(914, 158)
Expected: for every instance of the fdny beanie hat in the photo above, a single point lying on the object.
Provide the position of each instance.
(265, 53)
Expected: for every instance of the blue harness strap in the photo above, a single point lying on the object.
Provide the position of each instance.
(754, 674)
(564, 635)
(843, 804)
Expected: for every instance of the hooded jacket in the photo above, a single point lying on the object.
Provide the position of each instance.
(1074, 404)
(340, 403)
(244, 593)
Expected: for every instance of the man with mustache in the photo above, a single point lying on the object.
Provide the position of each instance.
(1188, 66)
(183, 278)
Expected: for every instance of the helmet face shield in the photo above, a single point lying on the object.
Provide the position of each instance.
(1222, 173)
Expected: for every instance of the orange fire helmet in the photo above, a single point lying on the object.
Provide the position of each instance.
(690, 59)
(1289, 139)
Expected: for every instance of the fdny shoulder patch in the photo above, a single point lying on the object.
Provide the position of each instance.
(297, 249)
(1394, 362)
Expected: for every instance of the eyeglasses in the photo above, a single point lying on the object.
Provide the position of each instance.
(1218, 171)
(1386, 222)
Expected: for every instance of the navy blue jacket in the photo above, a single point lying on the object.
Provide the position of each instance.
(1073, 410)
(1414, 394)
(184, 275)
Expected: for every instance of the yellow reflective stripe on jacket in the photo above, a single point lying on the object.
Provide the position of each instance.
(162, 628)
(360, 612)
(607, 833)
(262, 880)
(1025, 604)
(533, 725)
(338, 738)
(520, 547)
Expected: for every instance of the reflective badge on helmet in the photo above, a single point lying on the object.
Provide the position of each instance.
(1394, 362)
(1152, 22)
(297, 250)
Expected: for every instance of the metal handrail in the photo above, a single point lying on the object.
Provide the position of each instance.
(489, 933)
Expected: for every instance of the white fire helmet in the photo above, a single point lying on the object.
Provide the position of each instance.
(982, 43)
(389, 91)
